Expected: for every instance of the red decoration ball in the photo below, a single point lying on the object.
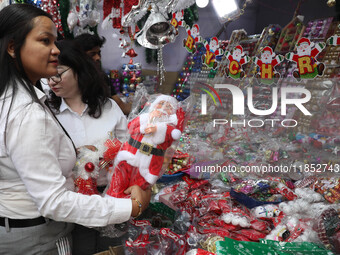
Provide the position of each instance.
(89, 167)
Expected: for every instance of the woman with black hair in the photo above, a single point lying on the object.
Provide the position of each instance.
(82, 105)
(37, 201)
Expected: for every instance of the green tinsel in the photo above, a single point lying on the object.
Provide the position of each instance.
(64, 8)
(148, 55)
(155, 55)
(191, 15)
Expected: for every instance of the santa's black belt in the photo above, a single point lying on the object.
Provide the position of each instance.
(146, 148)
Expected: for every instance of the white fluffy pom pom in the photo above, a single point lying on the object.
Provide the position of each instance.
(72, 20)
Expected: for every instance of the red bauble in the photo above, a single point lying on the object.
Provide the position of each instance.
(131, 53)
(89, 167)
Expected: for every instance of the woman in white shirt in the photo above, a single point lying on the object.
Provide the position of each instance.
(80, 99)
(82, 105)
(37, 201)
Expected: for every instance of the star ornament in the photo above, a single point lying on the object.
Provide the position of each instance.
(335, 150)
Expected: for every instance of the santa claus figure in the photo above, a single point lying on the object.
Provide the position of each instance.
(177, 19)
(236, 60)
(307, 65)
(212, 50)
(268, 61)
(140, 160)
(193, 38)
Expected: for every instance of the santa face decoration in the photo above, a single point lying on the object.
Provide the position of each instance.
(236, 60)
(307, 65)
(212, 50)
(268, 60)
(165, 108)
(192, 38)
(177, 19)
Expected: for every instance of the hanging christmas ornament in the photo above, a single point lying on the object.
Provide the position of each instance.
(160, 66)
(212, 50)
(193, 38)
(131, 53)
(134, 13)
(157, 31)
(124, 45)
(177, 19)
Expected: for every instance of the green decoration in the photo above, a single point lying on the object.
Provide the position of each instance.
(148, 55)
(191, 15)
(155, 55)
(64, 9)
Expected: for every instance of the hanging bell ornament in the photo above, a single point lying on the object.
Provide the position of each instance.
(131, 53)
(156, 32)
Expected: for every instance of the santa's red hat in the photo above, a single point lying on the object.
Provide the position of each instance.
(239, 47)
(303, 40)
(197, 27)
(267, 48)
(214, 39)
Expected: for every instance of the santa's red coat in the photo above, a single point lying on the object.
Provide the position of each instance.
(149, 166)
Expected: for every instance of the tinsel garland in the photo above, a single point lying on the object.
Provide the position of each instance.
(64, 9)
(148, 55)
(191, 15)
(151, 55)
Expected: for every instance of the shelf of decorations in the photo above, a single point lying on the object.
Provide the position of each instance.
(131, 78)
(269, 37)
(229, 206)
(290, 34)
(317, 29)
(322, 85)
(193, 70)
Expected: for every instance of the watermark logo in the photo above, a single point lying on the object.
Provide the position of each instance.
(239, 100)
(204, 97)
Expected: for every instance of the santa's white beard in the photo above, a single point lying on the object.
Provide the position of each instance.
(267, 60)
(162, 118)
(304, 52)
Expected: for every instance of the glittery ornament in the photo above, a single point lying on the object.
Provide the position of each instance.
(160, 66)
(89, 167)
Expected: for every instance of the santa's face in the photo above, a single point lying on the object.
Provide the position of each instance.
(213, 45)
(266, 57)
(194, 32)
(304, 49)
(237, 54)
(164, 108)
(179, 16)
